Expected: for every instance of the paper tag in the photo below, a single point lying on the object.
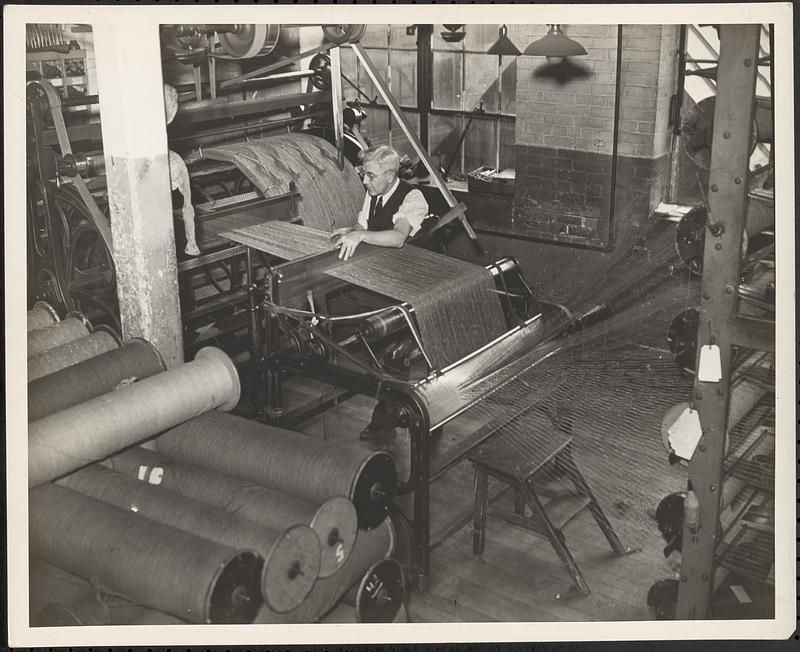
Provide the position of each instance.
(740, 593)
(684, 434)
(156, 475)
(709, 370)
(142, 474)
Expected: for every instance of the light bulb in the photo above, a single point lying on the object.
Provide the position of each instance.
(555, 59)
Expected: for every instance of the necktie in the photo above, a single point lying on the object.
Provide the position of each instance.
(379, 204)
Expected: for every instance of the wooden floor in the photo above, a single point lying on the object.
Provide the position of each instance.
(620, 391)
(519, 577)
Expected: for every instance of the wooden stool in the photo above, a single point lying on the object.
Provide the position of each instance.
(513, 458)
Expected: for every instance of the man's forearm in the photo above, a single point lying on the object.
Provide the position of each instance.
(388, 238)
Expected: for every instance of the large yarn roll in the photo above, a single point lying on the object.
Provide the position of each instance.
(291, 555)
(330, 198)
(147, 562)
(98, 375)
(70, 353)
(41, 315)
(335, 521)
(93, 430)
(70, 329)
(59, 599)
(291, 462)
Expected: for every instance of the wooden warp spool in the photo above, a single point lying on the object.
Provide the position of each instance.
(148, 562)
(103, 373)
(42, 339)
(381, 593)
(291, 556)
(41, 315)
(93, 430)
(329, 199)
(296, 464)
(66, 355)
(335, 521)
(371, 546)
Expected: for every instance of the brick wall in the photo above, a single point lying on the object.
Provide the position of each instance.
(565, 135)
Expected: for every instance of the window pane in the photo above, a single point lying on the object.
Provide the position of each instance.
(440, 44)
(349, 71)
(404, 76)
(480, 82)
(444, 132)
(399, 140)
(479, 145)
(508, 86)
(480, 38)
(507, 148)
(447, 80)
(399, 39)
(379, 59)
(376, 126)
(375, 37)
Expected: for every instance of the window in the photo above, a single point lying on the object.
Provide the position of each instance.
(463, 78)
(394, 54)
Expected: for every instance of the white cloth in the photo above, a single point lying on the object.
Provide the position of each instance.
(414, 208)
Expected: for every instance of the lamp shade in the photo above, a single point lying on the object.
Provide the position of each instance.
(555, 44)
(504, 45)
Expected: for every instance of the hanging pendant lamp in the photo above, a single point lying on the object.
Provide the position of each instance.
(504, 45)
(555, 45)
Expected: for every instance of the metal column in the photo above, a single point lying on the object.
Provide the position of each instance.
(137, 167)
(719, 325)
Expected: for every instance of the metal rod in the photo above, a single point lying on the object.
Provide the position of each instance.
(337, 103)
(275, 66)
(397, 112)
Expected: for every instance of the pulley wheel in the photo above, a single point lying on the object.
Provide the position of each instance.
(690, 239)
(321, 65)
(682, 338)
(236, 596)
(375, 488)
(381, 593)
(250, 41)
(340, 34)
(697, 131)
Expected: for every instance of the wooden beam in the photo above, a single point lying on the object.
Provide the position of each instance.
(730, 154)
(137, 168)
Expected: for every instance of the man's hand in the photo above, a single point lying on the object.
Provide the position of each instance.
(347, 243)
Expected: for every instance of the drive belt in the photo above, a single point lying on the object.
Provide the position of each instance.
(98, 219)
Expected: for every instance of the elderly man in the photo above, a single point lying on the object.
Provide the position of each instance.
(393, 210)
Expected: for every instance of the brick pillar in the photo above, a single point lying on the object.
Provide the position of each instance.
(565, 134)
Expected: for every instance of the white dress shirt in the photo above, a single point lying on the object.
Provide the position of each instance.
(414, 208)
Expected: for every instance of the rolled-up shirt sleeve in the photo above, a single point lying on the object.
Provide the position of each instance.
(363, 215)
(414, 210)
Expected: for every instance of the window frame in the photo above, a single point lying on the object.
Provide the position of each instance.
(424, 107)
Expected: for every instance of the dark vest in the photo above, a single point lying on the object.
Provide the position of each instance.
(382, 220)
